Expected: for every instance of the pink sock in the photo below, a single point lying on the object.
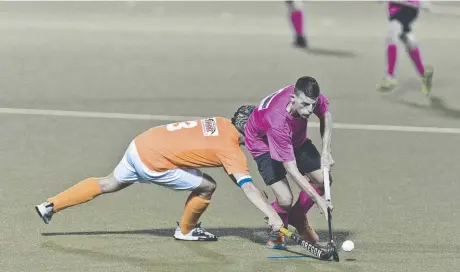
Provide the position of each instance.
(305, 201)
(281, 212)
(391, 58)
(300, 209)
(297, 21)
(417, 59)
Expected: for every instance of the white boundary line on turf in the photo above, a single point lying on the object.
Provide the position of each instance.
(132, 116)
(104, 115)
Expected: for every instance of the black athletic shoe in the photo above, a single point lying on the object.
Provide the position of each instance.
(301, 42)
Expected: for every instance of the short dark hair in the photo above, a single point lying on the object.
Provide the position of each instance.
(308, 86)
(241, 116)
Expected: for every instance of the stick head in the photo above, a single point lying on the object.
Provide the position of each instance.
(335, 257)
(333, 251)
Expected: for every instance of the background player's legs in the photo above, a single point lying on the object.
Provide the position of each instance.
(414, 52)
(395, 30)
(81, 192)
(412, 47)
(296, 16)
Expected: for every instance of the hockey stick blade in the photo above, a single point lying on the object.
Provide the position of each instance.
(316, 250)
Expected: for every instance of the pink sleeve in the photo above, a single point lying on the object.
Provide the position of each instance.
(280, 144)
(322, 107)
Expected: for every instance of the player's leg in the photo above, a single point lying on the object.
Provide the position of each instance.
(309, 163)
(282, 206)
(412, 47)
(196, 204)
(86, 190)
(274, 175)
(296, 16)
(283, 202)
(395, 29)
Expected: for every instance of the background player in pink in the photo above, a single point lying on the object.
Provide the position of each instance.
(276, 136)
(401, 15)
(296, 16)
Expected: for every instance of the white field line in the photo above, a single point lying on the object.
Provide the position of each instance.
(177, 118)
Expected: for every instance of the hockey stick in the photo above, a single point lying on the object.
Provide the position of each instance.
(327, 193)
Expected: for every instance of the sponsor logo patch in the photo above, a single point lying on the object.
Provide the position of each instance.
(209, 126)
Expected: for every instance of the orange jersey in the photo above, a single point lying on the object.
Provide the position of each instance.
(210, 142)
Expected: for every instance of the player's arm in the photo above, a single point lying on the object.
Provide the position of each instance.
(304, 184)
(325, 120)
(325, 125)
(235, 164)
(258, 199)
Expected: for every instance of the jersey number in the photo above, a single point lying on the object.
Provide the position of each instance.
(181, 125)
(267, 100)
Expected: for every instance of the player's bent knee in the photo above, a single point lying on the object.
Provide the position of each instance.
(110, 184)
(285, 205)
(409, 41)
(294, 5)
(283, 194)
(207, 187)
(392, 38)
(285, 202)
(210, 182)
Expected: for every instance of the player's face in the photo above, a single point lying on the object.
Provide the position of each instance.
(303, 105)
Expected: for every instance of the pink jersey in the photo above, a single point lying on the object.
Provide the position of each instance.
(395, 6)
(271, 128)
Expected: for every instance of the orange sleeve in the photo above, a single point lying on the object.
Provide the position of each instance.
(234, 161)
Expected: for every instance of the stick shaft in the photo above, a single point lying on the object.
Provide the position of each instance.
(327, 184)
(327, 193)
